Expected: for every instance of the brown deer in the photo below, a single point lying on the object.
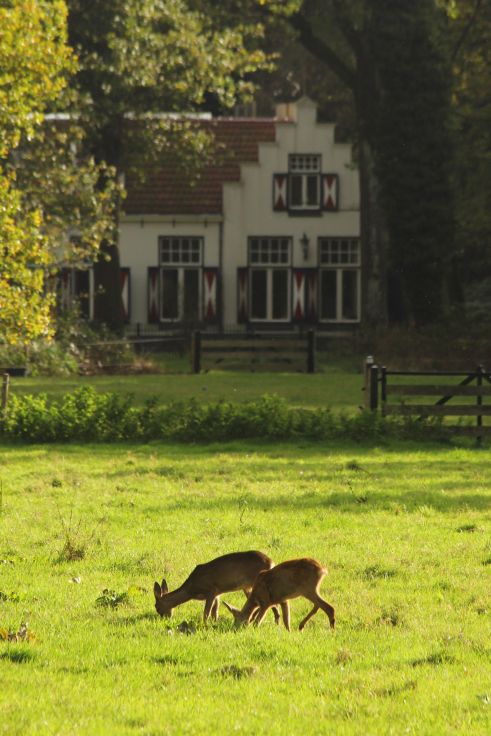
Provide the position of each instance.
(290, 579)
(235, 571)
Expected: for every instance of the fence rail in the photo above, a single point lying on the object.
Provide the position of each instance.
(475, 384)
(257, 352)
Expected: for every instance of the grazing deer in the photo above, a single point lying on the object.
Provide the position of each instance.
(290, 579)
(235, 571)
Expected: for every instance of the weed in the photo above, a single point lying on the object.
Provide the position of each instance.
(468, 528)
(76, 539)
(237, 673)
(375, 572)
(111, 599)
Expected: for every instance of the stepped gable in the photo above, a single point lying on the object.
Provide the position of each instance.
(168, 190)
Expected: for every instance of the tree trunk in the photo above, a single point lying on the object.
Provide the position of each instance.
(108, 304)
(374, 241)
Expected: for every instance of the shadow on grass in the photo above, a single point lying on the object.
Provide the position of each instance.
(17, 656)
(347, 502)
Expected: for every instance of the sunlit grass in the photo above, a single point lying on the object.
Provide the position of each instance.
(405, 532)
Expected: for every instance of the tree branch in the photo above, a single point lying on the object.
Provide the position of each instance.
(465, 31)
(318, 48)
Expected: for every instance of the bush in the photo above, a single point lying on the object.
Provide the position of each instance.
(85, 415)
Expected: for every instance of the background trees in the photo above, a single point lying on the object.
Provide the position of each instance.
(34, 61)
(138, 58)
(410, 82)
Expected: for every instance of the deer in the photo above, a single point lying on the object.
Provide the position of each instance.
(291, 579)
(225, 574)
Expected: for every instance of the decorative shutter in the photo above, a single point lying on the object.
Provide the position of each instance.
(311, 301)
(242, 295)
(280, 192)
(124, 274)
(330, 192)
(298, 313)
(153, 294)
(210, 294)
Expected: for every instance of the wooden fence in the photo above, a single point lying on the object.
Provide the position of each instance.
(256, 352)
(470, 391)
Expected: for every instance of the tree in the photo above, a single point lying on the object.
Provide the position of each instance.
(469, 32)
(367, 45)
(34, 62)
(138, 58)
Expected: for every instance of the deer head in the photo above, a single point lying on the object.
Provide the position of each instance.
(162, 606)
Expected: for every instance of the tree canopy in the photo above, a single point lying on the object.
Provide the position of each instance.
(34, 62)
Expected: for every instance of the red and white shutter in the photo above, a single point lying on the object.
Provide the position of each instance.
(330, 192)
(298, 295)
(124, 274)
(312, 282)
(153, 294)
(210, 293)
(280, 192)
(242, 295)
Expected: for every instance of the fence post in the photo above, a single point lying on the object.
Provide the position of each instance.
(383, 388)
(479, 372)
(373, 388)
(311, 351)
(369, 361)
(196, 352)
(5, 392)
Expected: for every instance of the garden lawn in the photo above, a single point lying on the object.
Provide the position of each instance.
(405, 532)
(336, 388)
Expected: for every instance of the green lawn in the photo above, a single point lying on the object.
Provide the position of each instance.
(335, 387)
(405, 532)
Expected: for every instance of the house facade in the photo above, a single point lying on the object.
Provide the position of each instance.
(268, 238)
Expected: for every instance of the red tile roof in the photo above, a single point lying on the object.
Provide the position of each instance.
(168, 190)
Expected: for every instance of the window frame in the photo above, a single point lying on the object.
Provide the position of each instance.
(305, 172)
(339, 267)
(269, 267)
(181, 265)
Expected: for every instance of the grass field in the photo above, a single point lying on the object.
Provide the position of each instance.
(333, 386)
(405, 532)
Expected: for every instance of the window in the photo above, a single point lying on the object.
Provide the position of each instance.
(180, 278)
(270, 277)
(339, 260)
(304, 181)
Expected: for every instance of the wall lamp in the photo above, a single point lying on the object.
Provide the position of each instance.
(305, 242)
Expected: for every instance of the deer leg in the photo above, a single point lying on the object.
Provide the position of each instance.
(259, 616)
(328, 610)
(285, 611)
(308, 617)
(276, 615)
(214, 609)
(210, 602)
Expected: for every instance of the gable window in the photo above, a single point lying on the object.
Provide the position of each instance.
(304, 181)
(180, 264)
(270, 278)
(339, 279)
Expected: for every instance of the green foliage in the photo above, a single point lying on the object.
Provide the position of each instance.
(85, 415)
(415, 153)
(34, 61)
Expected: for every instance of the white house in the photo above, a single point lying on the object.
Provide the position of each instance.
(267, 238)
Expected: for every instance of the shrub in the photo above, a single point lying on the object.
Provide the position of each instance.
(85, 415)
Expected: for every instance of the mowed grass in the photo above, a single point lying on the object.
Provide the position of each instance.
(337, 385)
(405, 532)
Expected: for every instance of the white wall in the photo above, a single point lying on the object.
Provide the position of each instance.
(248, 211)
(138, 245)
(248, 205)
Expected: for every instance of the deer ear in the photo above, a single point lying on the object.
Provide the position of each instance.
(165, 589)
(157, 591)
